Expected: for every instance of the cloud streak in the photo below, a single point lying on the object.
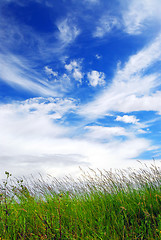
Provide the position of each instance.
(16, 74)
(139, 14)
(132, 89)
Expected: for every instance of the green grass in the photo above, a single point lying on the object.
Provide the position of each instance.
(100, 205)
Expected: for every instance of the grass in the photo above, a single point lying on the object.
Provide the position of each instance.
(124, 204)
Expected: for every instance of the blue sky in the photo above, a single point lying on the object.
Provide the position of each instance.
(80, 84)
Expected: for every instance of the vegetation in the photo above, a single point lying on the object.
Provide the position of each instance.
(124, 204)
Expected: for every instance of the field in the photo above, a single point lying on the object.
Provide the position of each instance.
(120, 204)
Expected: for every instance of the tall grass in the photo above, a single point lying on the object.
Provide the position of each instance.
(121, 204)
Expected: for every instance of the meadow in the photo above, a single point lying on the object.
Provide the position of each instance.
(115, 204)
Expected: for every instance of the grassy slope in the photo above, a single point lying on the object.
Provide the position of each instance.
(102, 205)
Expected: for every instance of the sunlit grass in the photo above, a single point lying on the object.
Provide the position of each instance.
(124, 204)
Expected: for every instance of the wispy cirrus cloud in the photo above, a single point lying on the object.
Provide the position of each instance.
(67, 31)
(105, 26)
(16, 34)
(132, 89)
(139, 14)
(16, 73)
(134, 18)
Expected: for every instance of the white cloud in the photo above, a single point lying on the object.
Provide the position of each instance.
(137, 127)
(145, 103)
(49, 71)
(98, 56)
(105, 25)
(72, 65)
(141, 61)
(127, 119)
(77, 75)
(16, 73)
(50, 108)
(29, 130)
(33, 133)
(75, 68)
(100, 132)
(139, 14)
(96, 78)
(33, 139)
(132, 89)
(135, 16)
(67, 31)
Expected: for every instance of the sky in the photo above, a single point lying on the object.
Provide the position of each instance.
(80, 85)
